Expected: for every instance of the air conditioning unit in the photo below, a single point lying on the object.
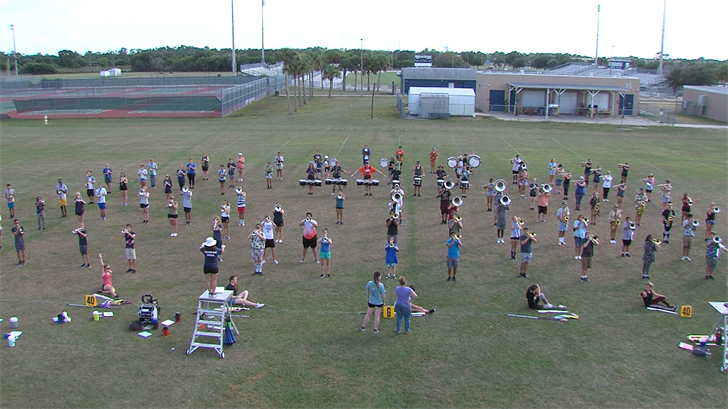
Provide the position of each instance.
(702, 100)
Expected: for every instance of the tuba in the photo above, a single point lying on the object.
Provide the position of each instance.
(457, 201)
(505, 200)
(396, 197)
(449, 184)
(500, 185)
(547, 188)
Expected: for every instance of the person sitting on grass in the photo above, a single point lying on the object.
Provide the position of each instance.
(106, 287)
(534, 296)
(653, 299)
(242, 298)
(416, 308)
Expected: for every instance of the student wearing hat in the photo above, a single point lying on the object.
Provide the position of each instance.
(211, 252)
(241, 205)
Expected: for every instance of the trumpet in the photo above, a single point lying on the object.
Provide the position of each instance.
(449, 184)
(458, 218)
(278, 208)
(519, 221)
(186, 189)
(690, 201)
(586, 220)
(458, 236)
(532, 234)
(505, 200)
(643, 203)
(76, 231)
(546, 188)
(171, 203)
(594, 239)
(238, 190)
(457, 201)
(392, 216)
(696, 223)
(500, 185)
(621, 165)
(396, 197)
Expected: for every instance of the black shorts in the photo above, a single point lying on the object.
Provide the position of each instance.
(187, 209)
(90, 192)
(143, 205)
(278, 224)
(210, 270)
(83, 248)
(270, 243)
(543, 210)
(225, 219)
(375, 306)
(626, 242)
(205, 167)
(515, 172)
(172, 216)
(312, 242)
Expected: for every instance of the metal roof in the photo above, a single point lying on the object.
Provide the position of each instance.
(438, 73)
(716, 90)
(567, 86)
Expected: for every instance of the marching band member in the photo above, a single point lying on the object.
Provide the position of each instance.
(212, 251)
(621, 189)
(444, 196)
(416, 173)
(79, 207)
(390, 258)
(433, 160)
(19, 236)
(649, 186)
(269, 176)
(567, 184)
(225, 219)
(563, 215)
(606, 185)
(526, 239)
(278, 221)
(615, 217)
(365, 153)
(628, 234)
(543, 205)
(453, 256)
(311, 176)
(396, 173)
(689, 227)
(100, 193)
(204, 162)
(279, 166)
(392, 226)
(687, 204)
(399, 155)
(241, 196)
(240, 165)
(523, 181)
(580, 226)
(465, 179)
(440, 174)
(597, 178)
(267, 227)
(108, 176)
(181, 174)
(594, 206)
(625, 171)
(500, 213)
(489, 194)
(222, 178)
(650, 297)
(327, 167)
(710, 219)
(167, 182)
(172, 216)
(552, 170)
(516, 162)
(587, 170)
(649, 256)
(559, 178)
(231, 166)
(217, 231)
(668, 215)
(367, 172)
(712, 254)
(459, 167)
(187, 204)
(317, 164)
(587, 253)
(580, 191)
(309, 236)
(61, 191)
(90, 182)
(191, 173)
(340, 207)
(533, 189)
(640, 205)
(144, 204)
(516, 224)
(257, 249)
(40, 211)
(390, 168)
(336, 171)
(325, 254)
(666, 193)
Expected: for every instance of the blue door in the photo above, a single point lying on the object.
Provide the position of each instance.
(497, 100)
(626, 103)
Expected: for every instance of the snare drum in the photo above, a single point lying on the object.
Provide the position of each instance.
(418, 181)
(395, 182)
(383, 162)
(440, 182)
(329, 181)
(336, 181)
(317, 182)
(452, 162)
(302, 182)
(359, 182)
(375, 182)
(474, 161)
(343, 182)
(310, 181)
(464, 184)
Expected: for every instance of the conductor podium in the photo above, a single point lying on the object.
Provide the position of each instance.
(213, 312)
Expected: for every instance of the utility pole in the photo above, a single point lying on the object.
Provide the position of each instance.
(262, 40)
(662, 45)
(596, 54)
(15, 51)
(361, 49)
(232, 14)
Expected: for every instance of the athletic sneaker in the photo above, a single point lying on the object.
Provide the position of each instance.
(275, 261)
(431, 311)
(318, 262)
(322, 275)
(448, 279)
(363, 329)
(645, 277)
(301, 260)
(585, 279)
(259, 305)
(687, 258)
(376, 331)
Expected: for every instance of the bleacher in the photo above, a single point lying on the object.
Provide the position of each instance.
(262, 70)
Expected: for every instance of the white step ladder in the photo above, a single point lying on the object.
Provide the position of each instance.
(212, 312)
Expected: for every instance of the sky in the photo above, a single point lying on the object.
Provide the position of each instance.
(693, 29)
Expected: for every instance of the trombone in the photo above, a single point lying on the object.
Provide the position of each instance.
(532, 234)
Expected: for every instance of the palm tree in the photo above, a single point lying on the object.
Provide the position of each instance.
(331, 71)
(317, 64)
(369, 66)
(288, 56)
(332, 57)
(382, 64)
(304, 69)
(346, 63)
(295, 66)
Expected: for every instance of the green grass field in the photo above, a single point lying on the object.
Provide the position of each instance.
(304, 349)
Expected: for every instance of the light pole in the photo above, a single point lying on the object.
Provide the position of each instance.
(611, 57)
(262, 39)
(232, 22)
(361, 62)
(15, 51)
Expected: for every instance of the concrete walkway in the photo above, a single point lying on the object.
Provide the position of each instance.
(627, 120)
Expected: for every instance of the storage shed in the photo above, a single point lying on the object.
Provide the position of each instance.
(461, 102)
(437, 77)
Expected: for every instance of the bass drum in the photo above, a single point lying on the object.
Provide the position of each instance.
(383, 162)
(452, 162)
(474, 161)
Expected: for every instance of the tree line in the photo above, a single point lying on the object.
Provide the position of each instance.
(194, 59)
